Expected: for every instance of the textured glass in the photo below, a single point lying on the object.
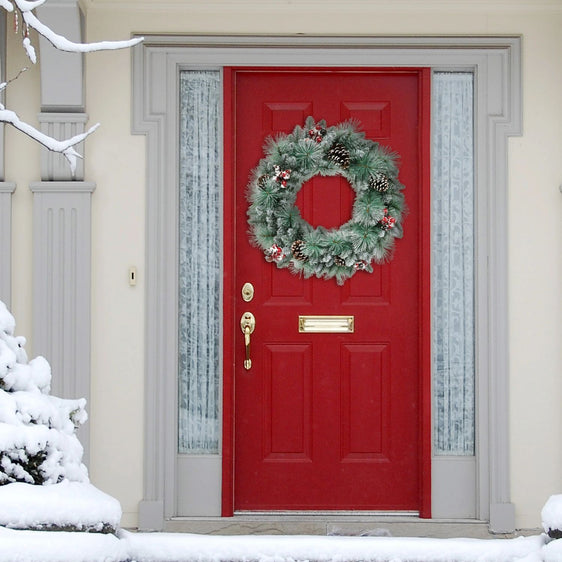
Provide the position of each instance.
(452, 225)
(199, 262)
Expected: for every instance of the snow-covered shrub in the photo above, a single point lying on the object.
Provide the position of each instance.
(551, 516)
(38, 444)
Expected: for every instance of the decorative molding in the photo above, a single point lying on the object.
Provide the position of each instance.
(496, 62)
(6, 190)
(62, 83)
(62, 88)
(61, 286)
(7, 187)
(363, 7)
(150, 515)
(54, 166)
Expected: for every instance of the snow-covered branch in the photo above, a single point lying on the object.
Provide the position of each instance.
(25, 7)
(63, 44)
(65, 147)
(58, 41)
(7, 5)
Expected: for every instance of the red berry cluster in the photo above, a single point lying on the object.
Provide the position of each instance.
(360, 265)
(317, 133)
(387, 222)
(275, 253)
(282, 176)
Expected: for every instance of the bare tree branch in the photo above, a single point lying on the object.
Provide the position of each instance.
(4, 85)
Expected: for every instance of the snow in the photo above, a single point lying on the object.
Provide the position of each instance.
(30, 50)
(58, 505)
(45, 546)
(37, 431)
(7, 321)
(26, 546)
(552, 552)
(178, 548)
(551, 514)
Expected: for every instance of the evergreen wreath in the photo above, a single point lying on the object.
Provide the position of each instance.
(276, 225)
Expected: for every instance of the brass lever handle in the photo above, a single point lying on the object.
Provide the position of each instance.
(247, 325)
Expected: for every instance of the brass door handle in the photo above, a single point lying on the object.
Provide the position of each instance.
(247, 325)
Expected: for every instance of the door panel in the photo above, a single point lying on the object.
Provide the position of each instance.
(329, 421)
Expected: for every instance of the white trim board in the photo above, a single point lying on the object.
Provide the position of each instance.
(6, 191)
(496, 63)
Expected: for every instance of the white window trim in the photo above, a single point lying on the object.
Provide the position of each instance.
(496, 63)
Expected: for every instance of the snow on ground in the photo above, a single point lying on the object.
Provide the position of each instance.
(68, 503)
(50, 546)
(42, 546)
(552, 552)
(168, 547)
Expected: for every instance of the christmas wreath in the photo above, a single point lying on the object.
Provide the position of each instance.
(276, 225)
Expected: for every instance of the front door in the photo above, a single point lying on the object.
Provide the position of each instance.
(329, 421)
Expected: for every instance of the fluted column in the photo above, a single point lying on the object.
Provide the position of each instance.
(62, 219)
(61, 284)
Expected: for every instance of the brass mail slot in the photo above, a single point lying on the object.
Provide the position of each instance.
(326, 324)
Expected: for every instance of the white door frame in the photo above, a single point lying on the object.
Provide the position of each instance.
(496, 63)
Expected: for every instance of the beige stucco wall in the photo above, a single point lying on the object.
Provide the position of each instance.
(116, 162)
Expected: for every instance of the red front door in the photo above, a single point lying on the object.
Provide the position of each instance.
(329, 421)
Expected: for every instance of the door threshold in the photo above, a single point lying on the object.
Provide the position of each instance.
(350, 524)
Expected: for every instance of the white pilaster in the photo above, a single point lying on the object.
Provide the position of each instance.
(62, 218)
(6, 190)
(61, 72)
(61, 285)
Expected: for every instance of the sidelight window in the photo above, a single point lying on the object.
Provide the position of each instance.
(200, 267)
(452, 225)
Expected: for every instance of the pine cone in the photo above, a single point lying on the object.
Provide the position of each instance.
(379, 183)
(297, 248)
(262, 180)
(340, 262)
(338, 154)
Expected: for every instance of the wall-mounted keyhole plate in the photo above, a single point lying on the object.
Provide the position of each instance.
(132, 276)
(248, 292)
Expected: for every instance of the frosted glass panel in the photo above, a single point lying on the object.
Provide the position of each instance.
(199, 262)
(453, 263)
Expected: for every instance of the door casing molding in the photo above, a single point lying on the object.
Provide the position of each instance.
(496, 63)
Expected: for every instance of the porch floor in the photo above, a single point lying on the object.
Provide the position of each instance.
(338, 525)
